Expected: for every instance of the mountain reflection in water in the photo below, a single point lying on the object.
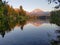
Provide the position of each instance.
(8, 26)
(36, 32)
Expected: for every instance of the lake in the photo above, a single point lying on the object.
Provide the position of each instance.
(31, 32)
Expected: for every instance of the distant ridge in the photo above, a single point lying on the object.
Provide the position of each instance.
(38, 12)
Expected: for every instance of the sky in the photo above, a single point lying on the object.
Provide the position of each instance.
(30, 5)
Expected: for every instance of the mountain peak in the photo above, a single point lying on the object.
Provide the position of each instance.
(37, 10)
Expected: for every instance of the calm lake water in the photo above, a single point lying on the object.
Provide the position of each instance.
(32, 32)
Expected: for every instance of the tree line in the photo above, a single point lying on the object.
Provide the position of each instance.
(55, 17)
(9, 11)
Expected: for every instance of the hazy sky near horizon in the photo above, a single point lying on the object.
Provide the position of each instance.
(30, 5)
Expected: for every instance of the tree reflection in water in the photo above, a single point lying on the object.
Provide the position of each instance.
(7, 26)
(57, 40)
(4, 27)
